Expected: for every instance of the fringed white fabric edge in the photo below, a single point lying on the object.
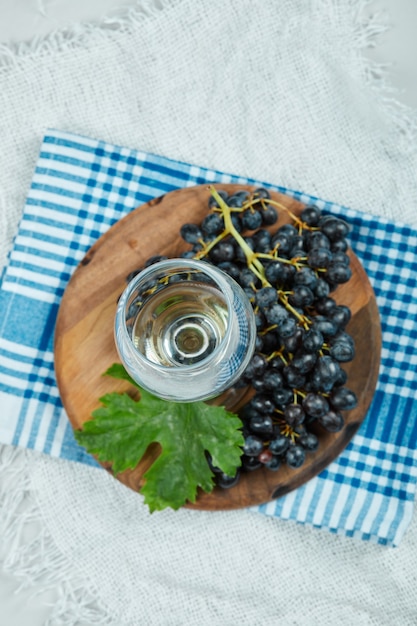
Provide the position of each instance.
(30, 555)
(78, 35)
(368, 28)
(34, 559)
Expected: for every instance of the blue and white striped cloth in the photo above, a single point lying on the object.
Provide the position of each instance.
(80, 188)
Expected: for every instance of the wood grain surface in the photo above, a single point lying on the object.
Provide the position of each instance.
(84, 344)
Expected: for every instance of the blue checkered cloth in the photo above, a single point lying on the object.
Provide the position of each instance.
(80, 188)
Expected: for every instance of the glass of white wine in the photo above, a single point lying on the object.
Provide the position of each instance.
(184, 330)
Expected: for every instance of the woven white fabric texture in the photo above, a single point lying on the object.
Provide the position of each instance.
(275, 91)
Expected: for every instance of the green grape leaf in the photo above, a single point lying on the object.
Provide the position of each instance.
(122, 429)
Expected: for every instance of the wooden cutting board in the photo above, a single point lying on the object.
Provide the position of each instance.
(84, 345)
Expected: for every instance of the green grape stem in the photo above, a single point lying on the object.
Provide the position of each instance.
(206, 247)
(278, 205)
(253, 259)
(277, 353)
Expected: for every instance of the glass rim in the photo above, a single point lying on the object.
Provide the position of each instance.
(218, 276)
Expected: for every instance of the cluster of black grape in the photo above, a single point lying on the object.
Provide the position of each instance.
(288, 275)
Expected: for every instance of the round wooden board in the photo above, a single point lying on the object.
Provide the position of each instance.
(84, 345)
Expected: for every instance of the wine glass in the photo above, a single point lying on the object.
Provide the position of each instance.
(184, 330)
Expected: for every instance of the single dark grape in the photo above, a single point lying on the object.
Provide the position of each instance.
(287, 328)
(263, 404)
(343, 399)
(321, 289)
(342, 335)
(272, 380)
(304, 362)
(332, 421)
(325, 326)
(335, 228)
(258, 384)
(311, 215)
(191, 233)
(261, 425)
(324, 374)
(309, 441)
(319, 257)
(250, 463)
(274, 272)
(313, 340)
(306, 276)
(337, 273)
(236, 201)
(212, 224)
(269, 215)
(261, 192)
(315, 405)
(248, 412)
(282, 396)
(265, 297)
(251, 219)
(341, 257)
(262, 240)
(293, 377)
(341, 245)
(252, 445)
(342, 351)
(279, 444)
(256, 367)
(276, 314)
(294, 414)
(288, 229)
(323, 219)
(317, 239)
(282, 243)
(341, 315)
(325, 306)
(294, 341)
(301, 296)
(288, 274)
(222, 251)
(295, 456)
